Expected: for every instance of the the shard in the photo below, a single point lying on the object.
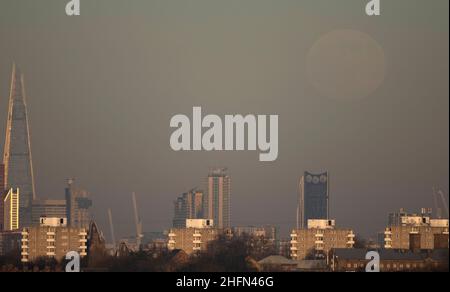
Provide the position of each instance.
(17, 150)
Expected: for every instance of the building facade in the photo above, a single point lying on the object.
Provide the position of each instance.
(17, 151)
(354, 260)
(319, 239)
(217, 203)
(314, 194)
(268, 232)
(194, 238)
(11, 210)
(52, 239)
(77, 206)
(188, 206)
(48, 208)
(416, 232)
(9, 242)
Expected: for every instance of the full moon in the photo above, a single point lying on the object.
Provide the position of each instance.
(346, 65)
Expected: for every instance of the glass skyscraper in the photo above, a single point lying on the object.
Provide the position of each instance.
(17, 151)
(314, 194)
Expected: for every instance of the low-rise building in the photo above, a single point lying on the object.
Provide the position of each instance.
(52, 239)
(412, 231)
(354, 260)
(194, 238)
(318, 239)
(268, 232)
(9, 242)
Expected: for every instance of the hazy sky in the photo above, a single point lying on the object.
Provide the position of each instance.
(102, 88)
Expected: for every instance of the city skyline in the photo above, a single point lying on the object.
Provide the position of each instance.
(384, 151)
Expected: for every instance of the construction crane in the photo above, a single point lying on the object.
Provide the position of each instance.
(137, 222)
(444, 201)
(436, 205)
(111, 226)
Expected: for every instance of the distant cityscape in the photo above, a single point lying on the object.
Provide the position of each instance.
(202, 237)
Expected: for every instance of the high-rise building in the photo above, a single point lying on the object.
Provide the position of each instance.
(314, 194)
(77, 206)
(17, 150)
(48, 208)
(2, 193)
(217, 203)
(188, 206)
(11, 210)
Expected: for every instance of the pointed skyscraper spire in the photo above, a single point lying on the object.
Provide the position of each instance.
(17, 150)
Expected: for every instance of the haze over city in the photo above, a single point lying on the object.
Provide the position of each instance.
(101, 90)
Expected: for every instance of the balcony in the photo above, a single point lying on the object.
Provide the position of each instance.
(294, 248)
(197, 241)
(172, 234)
(24, 253)
(294, 241)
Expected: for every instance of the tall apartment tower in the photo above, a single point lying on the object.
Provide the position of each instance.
(314, 194)
(217, 202)
(17, 150)
(188, 206)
